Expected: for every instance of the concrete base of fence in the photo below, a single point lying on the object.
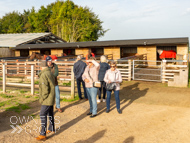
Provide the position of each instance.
(180, 79)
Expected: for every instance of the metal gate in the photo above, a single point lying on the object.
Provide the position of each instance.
(147, 70)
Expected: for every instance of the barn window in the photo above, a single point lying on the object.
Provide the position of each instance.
(128, 51)
(24, 53)
(69, 51)
(98, 51)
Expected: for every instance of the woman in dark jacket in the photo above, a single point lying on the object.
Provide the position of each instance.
(104, 66)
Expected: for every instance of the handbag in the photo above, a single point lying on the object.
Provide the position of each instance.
(96, 84)
(111, 86)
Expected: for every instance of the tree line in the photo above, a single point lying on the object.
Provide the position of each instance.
(63, 18)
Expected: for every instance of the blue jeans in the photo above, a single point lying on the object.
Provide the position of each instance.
(79, 88)
(104, 90)
(92, 93)
(57, 96)
(116, 93)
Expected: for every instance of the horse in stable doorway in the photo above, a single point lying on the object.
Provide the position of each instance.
(171, 54)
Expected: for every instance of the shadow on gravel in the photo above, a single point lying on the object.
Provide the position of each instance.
(93, 138)
(130, 94)
(129, 140)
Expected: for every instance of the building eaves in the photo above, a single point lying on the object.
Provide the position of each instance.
(96, 44)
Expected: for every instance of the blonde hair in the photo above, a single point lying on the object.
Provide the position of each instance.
(79, 57)
(103, 59)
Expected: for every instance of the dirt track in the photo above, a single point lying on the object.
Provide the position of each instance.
(152, 113)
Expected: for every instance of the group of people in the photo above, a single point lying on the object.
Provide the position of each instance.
(85, 73)
(103, 72)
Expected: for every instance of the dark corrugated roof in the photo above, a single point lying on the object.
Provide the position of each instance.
(120, 43)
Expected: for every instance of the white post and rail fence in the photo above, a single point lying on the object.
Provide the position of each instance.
(160, 71)
(30, 71)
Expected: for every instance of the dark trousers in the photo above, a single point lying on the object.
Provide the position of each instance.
(116, 93)
(103, 85)
(79, 88)
(46, 110)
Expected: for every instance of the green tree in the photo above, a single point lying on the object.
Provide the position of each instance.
(74, 23)
(63, 18)
(12, 23)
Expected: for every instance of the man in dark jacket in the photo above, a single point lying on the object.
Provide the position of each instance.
(47, 99)
(78, 70)
(54, 69)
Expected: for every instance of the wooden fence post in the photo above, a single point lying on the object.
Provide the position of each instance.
(4, 78)
(163, 70)
(32, 79)
(129, 76)
(72, 84)
(25, 68)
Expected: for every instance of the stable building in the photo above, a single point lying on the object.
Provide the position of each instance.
(118, 48)
(10, 41)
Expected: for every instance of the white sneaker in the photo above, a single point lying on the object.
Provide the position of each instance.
(98, 100)
(104, 100)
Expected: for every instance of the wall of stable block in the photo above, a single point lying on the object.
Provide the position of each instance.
(81, 51)
(182, 50)
(17, 53)
(115, 51)
(56, 52)
(30, 51)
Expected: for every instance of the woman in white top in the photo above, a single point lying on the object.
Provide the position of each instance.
(113, 76)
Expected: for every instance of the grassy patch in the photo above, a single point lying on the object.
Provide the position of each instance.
(2, 103)
(8, 102)
(22, 91)
(36, 92)
(36, 97)
(27, 96)
(24, 106)
(18, 108)
(67, 84)
(70, 100)
(6, 96)
(36, 82)
(13, 108)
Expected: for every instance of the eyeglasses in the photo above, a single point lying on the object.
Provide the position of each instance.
(112, 66)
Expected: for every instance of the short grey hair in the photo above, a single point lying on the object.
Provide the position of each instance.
(103, 59)
(79, 57)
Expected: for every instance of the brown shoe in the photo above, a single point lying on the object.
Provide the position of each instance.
(59, 110)
(48, 132)
(41, 138)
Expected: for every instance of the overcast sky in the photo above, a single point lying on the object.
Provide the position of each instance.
(127, 19)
